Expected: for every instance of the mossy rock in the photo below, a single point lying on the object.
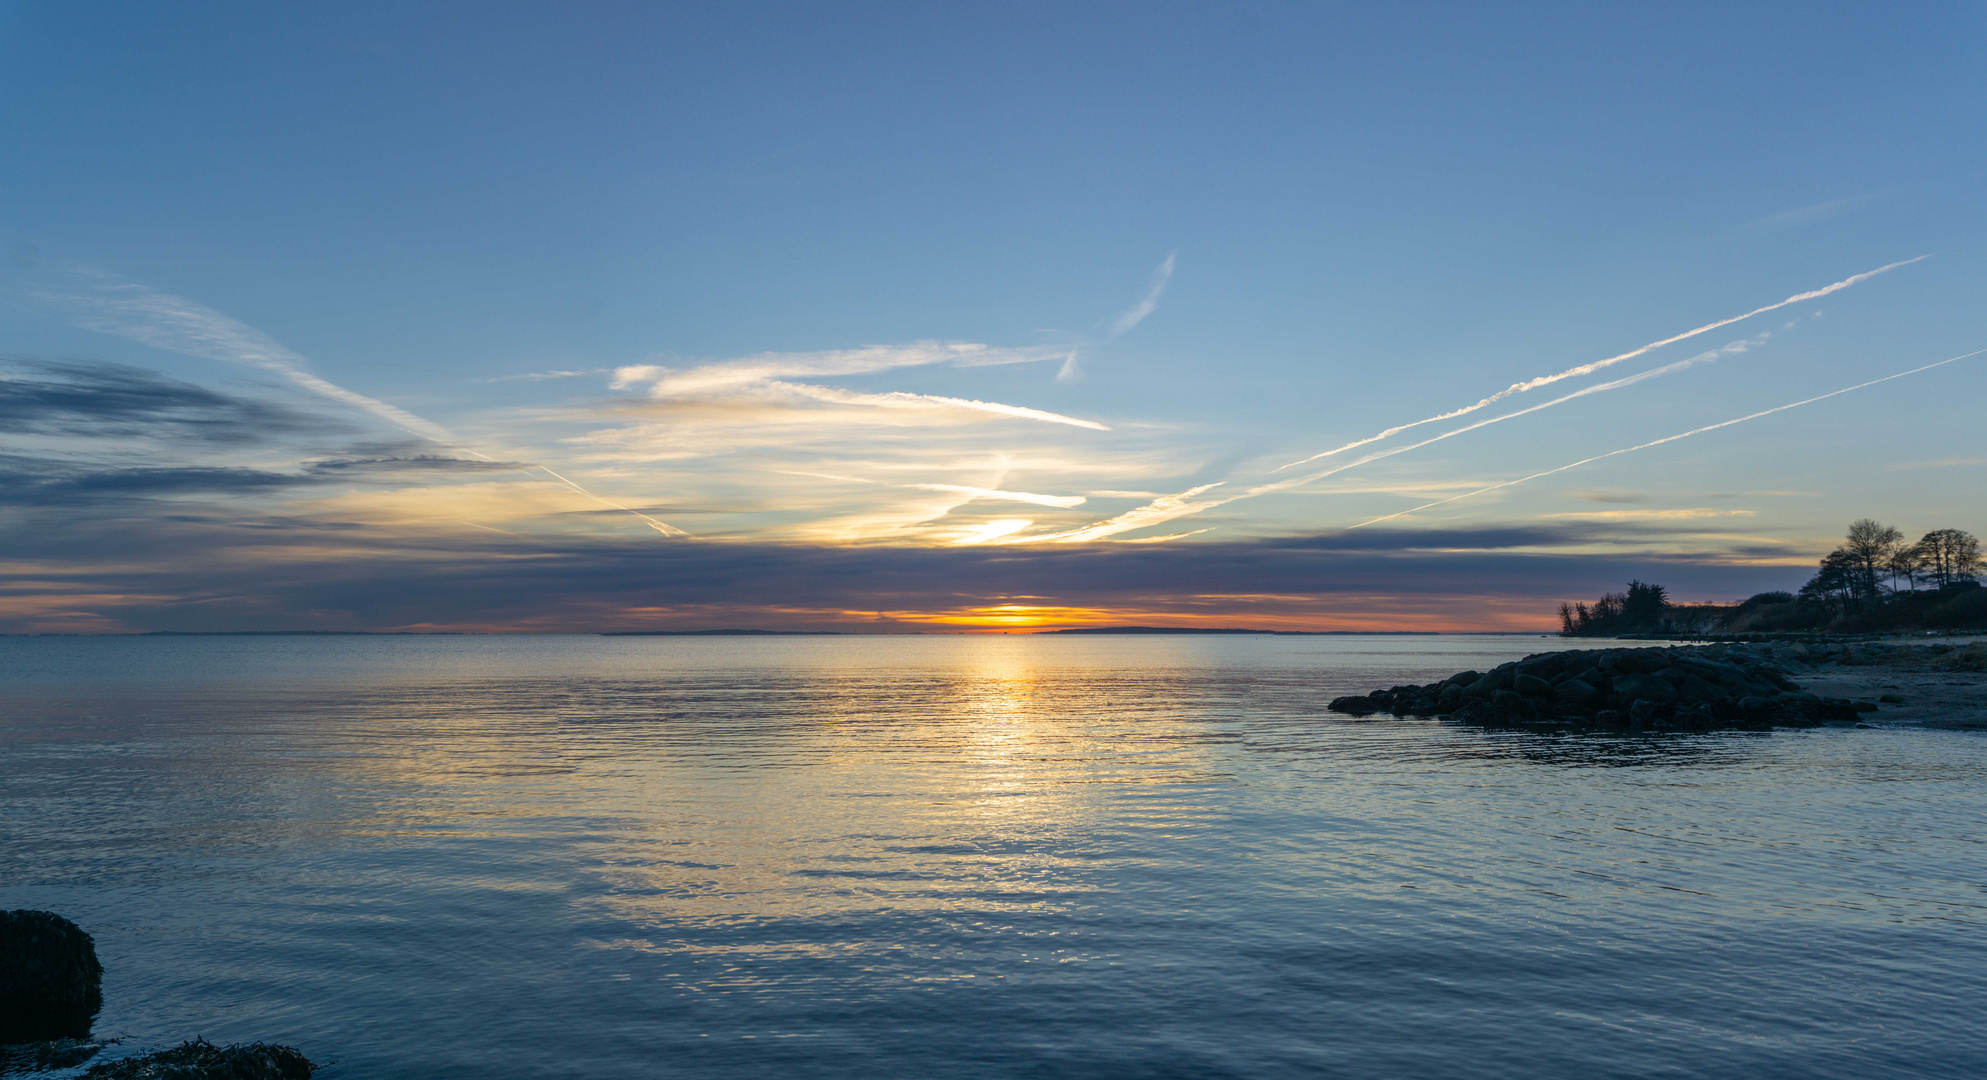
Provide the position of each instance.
(51, 984)
(202, 1060)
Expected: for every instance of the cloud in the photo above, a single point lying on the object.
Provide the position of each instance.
(749, 387)
(98, 302)
(99, 400)
(1165, 508)
(1064, 501)
(900, 400)
(1161, 274)
(541, 376)
(1813, 212)
(27, 480)
(190, 575)
(1590, 368)
(734, 376)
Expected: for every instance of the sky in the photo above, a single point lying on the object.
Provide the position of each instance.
(942, 317)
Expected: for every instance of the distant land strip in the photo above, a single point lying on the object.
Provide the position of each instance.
(722, 633)
(1227, 630)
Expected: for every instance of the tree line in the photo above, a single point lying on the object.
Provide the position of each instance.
(1875, 562)
(1875, 580)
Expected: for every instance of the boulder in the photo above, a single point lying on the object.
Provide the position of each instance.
(1695, 690)
(51, 984)
(1531, 686)
(1654, 688)
(1512, 703)
(1577, 692)
(1355, 705)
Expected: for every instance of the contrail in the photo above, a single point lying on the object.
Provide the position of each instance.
(181, 325)
(1666, 439)
(1597, 388)
(1587, 369)
(1179, 505)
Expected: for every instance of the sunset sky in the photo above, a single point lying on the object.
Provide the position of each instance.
(939, 317)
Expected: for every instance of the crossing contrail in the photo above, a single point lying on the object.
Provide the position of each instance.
(1590, 368)
(1665, 439)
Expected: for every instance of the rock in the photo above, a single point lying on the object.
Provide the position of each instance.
(1865, 706)
(1971, 658)
(1699, 688)
(1628, 688)
(1891, 699)
(1577, 692)
(1695, 690)
(1531, 686)
(202, 1060)
(51, 984)
(1512, 703)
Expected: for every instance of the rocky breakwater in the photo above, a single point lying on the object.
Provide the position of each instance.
(1692, 688)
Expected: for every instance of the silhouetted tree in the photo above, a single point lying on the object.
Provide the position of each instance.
(1646, 607)
(1870, 546)
(1949, 556)
(1837, 584)
(1611, 614)
(1907, 563)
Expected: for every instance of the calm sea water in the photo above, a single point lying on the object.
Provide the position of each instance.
(986, 857)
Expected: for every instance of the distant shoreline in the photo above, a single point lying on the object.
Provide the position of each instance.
(1246, 630)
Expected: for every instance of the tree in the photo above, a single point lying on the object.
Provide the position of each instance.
(1870, 546)
(1646, 607)
(1949, 556)
(1907, 561)
(1837, 583)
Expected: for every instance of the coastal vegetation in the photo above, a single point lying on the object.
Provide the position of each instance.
(1874, 582)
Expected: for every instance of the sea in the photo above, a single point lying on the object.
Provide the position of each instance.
(991, 856)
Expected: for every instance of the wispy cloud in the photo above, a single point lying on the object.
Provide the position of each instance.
(744, 373)
(1813, 212)
(759, 380)
(543, 376)
(95, 301)
(1064, 501)
(98, 302)
(898, 399)
(1162, 509)
(1590, 368)
(1137, 313)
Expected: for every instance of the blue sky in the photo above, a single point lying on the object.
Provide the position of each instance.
(805, 283)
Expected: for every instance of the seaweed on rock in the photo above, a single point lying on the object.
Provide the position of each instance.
(202, 1060)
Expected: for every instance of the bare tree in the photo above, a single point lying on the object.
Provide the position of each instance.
(1949, 556)
(1870, 546)
(1907, 563)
